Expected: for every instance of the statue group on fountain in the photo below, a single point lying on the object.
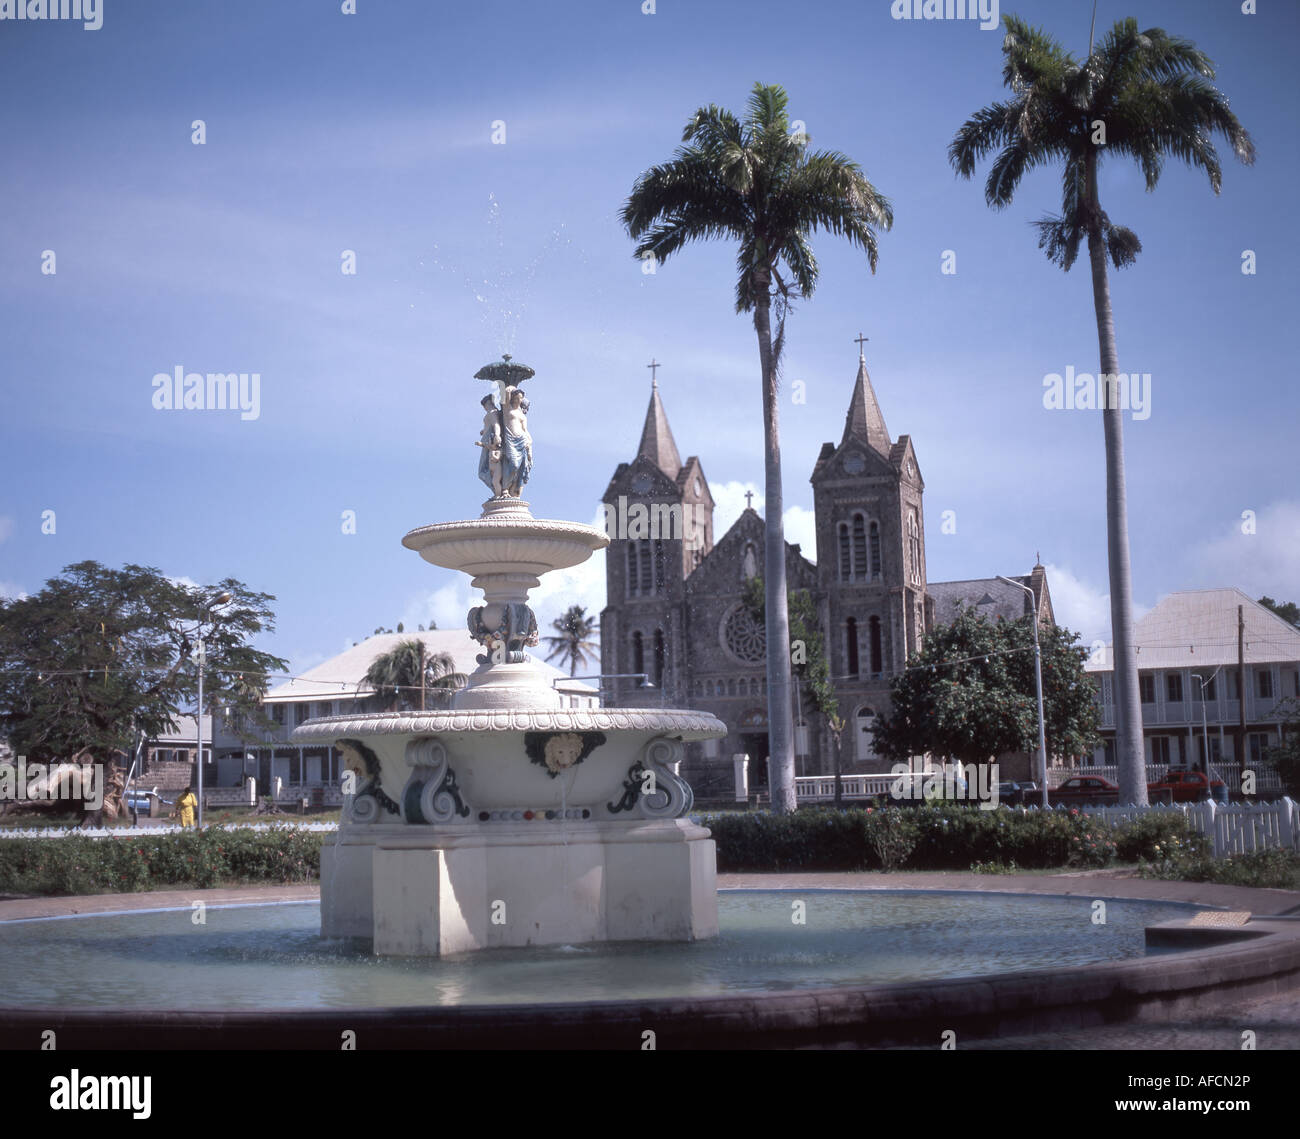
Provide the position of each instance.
(507, 458)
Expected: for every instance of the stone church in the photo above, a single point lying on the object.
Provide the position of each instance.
(674, 609)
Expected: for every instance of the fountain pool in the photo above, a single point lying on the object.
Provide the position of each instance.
(266, 957)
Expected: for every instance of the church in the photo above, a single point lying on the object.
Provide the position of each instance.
(674, 613)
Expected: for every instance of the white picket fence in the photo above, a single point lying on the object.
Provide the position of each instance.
(1241, 828)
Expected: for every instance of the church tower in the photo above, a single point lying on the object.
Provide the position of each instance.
(659, 515)
(870, 561)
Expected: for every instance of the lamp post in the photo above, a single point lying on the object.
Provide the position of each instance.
(1038, 685)
(200, 655)
(1205, 724)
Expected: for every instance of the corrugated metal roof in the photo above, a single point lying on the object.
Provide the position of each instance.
(1199, 627)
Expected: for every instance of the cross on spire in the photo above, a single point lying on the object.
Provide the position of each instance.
(859, 341)
(654, 367)
(749, 499)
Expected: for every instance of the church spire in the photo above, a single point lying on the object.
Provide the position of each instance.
(657, 443)
(864, 420)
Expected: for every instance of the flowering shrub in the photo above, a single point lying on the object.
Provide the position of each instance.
(214, 856)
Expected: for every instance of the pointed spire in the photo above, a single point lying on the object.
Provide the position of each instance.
(864, 420)
(657, 443)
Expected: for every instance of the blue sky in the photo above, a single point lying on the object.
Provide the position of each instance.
(372, 132)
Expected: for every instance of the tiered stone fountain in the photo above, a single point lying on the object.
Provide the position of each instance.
(507, 819)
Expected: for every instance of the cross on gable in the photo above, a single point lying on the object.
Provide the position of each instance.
(654, 367)
(749, 499)
(859, 341)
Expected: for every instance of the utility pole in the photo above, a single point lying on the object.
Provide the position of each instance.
(1241, 689)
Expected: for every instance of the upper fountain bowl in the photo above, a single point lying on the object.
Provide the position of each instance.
(507, 540)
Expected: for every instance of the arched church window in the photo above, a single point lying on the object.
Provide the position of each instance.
(731, 686)
(875, 551)
(631, 575)
(638, 654)
(877, 647)
(660, 566)
(864, 739)
(859, 547)
(914, 544)
(846, 563)
(646, 569)
(851, 646)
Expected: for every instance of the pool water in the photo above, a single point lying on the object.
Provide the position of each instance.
(272, 956)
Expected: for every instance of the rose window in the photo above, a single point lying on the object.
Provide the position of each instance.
(743, 636)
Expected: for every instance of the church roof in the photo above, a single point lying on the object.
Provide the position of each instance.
(657, 443)
(987, 595)
(865, 420)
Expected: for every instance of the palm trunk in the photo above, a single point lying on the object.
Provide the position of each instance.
(780, 732)
(1129, 751)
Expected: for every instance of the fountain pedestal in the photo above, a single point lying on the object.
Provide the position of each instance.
(507, 819)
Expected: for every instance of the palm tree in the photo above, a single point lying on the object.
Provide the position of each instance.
(1139, 95)
(396, 675)
(573, 642)
(755, 181)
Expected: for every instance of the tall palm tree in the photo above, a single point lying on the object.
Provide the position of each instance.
(574, 641)
(756, 182)
(1143, 95)
(396, 675)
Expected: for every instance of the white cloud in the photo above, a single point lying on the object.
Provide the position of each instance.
(11, 591)
(1082, 607)
(1265, 562)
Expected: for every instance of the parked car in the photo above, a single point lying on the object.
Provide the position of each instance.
(1084, 791)
(914, 788)
(1183, 785)
(1019, 793)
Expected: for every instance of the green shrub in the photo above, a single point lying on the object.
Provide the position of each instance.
(1276, 869)
(939, 836)
(1152, 836)
(215, 856)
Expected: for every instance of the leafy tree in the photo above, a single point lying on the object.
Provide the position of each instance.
(1289, 611)
(969, 694)
(755, 181)
(1142, 95)
(1285, 757)
(100, 654)
(574, 641)
(395, 675)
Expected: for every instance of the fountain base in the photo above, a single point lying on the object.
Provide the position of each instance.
(458, 888)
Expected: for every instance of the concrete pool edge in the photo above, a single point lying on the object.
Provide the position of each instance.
(1042, 1001)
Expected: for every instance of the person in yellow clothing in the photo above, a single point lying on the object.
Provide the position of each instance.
(186, 805)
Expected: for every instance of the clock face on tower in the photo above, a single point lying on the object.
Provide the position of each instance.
(641, 483)
(855, 464)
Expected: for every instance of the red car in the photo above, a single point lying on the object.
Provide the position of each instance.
(1185, 786)
(1084, 791)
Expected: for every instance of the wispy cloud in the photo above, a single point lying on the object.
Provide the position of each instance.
(1258, 552)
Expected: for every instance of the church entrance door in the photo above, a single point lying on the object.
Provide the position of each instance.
(756, 747)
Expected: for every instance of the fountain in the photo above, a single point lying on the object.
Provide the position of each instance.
(508, 819)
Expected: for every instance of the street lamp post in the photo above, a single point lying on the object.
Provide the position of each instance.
(1205, 724)
(200, 655)
(1038, 685)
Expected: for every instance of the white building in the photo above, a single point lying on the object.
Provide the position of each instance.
(333, 688)
(1187, 665)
